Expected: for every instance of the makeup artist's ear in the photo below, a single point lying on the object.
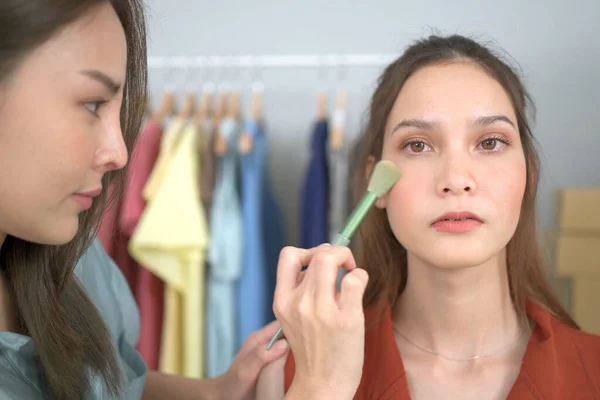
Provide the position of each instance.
(369, 165)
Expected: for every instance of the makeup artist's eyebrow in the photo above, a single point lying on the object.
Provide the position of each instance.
(110, 84)
(415, 123)
(492, 119)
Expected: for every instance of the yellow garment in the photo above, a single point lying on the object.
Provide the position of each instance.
(171, 240)
(168, 145)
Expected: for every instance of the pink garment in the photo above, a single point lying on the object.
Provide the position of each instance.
(108, 226)
(115, 243)
(148, 289)
(116, 228)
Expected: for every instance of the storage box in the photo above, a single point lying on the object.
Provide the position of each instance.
(577, 253)
(580, 211)
(585, 302)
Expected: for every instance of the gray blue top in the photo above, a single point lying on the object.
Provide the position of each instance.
(107, 288)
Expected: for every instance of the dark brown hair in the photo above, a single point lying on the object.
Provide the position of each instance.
(378, 250)
(68, 331)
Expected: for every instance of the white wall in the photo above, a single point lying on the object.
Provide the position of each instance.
(555, 42)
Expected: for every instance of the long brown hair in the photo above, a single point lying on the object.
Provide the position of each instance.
(378, 250)
(70, 336)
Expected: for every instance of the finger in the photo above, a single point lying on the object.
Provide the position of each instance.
(254, 361)
(291, 261)
(265, 334)
(279, 349)
(258, 338)
(272, 386)
(325, 265)
(253, 355)
(354, 285)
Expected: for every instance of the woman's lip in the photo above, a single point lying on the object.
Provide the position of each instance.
(456, 225)
(85, 202)
(457, 216)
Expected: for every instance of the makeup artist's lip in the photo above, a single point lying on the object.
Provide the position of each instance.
(86, 199)
(90, 193)
(457, 222)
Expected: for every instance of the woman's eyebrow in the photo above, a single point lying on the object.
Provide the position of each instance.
(415, 123)
(486, 120)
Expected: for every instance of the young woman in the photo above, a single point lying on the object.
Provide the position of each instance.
(72, 88)
(457, 305)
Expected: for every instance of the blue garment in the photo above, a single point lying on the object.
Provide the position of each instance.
(107, 288)
(252, 286)
(315, 192)
(225, 258)
(273, 233)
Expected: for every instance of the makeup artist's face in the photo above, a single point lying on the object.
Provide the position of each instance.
(60, 129)
(453, 133)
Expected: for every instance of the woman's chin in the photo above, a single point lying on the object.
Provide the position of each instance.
(62, 232)
(454, 259)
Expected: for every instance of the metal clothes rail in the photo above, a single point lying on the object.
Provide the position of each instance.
(271, 61)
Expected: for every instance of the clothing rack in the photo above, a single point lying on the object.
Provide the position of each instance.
(271, 61)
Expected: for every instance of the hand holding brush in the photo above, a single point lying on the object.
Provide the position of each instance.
(385, 175)
(321, 308)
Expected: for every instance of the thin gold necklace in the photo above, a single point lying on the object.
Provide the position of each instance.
(459, 359)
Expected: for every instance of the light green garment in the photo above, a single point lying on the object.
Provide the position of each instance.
(107, 288)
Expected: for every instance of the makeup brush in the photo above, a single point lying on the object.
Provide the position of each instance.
(384, 176)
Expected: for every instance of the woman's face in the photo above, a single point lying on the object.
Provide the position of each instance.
(59, 128)
(453, 133)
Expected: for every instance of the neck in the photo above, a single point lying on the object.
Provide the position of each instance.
(7, 314)
(460, 312)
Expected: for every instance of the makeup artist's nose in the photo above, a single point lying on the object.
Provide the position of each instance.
(112, 152)
(456, 177)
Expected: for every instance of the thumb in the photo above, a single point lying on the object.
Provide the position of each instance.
(259, 357)
(280, 348)
(353, 289)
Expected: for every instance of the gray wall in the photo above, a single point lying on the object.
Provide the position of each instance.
(555, 42)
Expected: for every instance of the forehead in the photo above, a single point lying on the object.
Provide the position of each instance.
(451, 91)
(96, 40)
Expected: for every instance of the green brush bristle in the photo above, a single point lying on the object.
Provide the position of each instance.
(384, 176)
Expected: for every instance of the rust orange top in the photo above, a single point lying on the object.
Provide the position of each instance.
(560, 362)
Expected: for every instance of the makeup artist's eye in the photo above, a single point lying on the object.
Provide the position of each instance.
(494, 143)
(415, 146)
(93, 106)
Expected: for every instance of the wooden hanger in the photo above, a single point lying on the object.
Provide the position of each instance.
(220, 107)
(201, 115)
(256, 105)
(221, 110)
(337, 132)
(321, 105)
(204, 107)
(234, 104)
(245, 143)
(189, 104)
(166, 108)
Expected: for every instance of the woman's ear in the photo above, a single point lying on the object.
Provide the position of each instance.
(369, 165)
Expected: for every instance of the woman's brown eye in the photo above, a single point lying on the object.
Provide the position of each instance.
(417, 147)
(489, 144)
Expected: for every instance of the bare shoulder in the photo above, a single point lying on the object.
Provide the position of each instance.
(270, 385)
